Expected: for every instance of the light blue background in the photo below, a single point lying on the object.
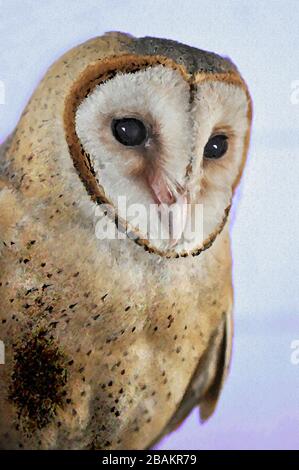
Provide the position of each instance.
(259, 407)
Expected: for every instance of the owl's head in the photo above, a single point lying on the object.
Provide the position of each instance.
(158, 132)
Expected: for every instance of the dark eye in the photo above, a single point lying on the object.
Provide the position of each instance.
(129, 131)
(216, 146)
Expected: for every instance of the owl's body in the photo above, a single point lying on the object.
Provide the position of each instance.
(109, 344)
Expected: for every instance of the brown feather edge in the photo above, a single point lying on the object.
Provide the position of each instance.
(105, 69)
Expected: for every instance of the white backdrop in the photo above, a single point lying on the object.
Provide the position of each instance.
(260, 404)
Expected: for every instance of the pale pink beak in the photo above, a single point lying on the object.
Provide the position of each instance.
(160, 188)
(172, 206)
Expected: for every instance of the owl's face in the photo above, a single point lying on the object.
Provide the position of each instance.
(162, 149)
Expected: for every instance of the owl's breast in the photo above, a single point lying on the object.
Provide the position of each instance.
(101, 343)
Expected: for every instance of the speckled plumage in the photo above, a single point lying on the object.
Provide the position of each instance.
(108, 346)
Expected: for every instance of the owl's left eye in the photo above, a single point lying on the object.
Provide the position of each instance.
(216, 147)
(129, 131)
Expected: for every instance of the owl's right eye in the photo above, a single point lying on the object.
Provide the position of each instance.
(129, 131)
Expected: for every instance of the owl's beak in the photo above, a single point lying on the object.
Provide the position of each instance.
(172, 201)
(160, 187)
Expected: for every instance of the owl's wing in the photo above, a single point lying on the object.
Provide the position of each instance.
(211, 376)
(206, 384)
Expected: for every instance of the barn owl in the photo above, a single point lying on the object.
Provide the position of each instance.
(110, 341)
